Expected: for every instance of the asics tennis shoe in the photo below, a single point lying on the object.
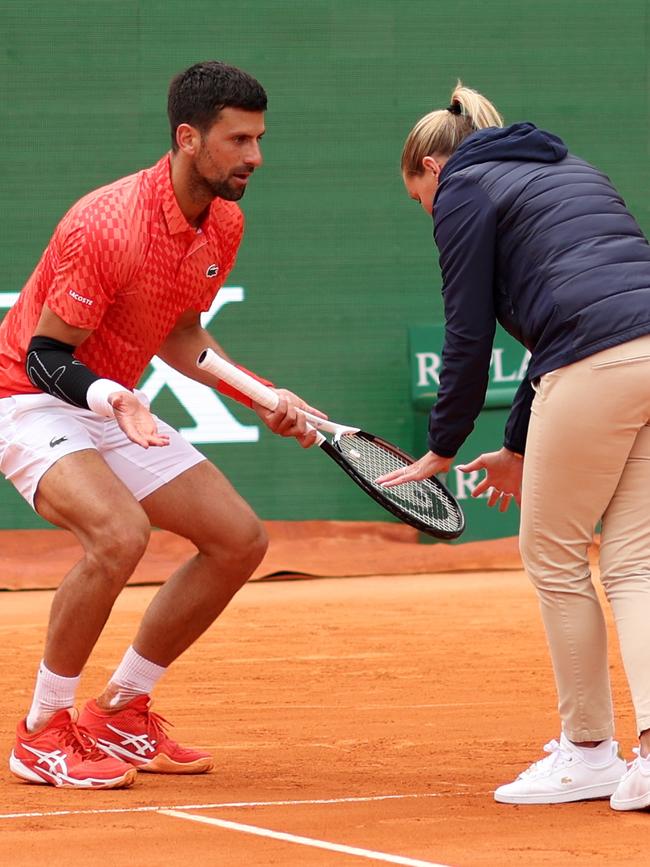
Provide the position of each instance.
(135, 734)
(63, 754)
(564, 775)
(633, 791)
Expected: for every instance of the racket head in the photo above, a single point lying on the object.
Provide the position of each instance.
(426, 505)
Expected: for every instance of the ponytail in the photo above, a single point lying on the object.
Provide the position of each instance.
(441, 131)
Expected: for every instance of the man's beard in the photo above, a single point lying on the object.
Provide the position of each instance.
(222, 190)
(204, 188)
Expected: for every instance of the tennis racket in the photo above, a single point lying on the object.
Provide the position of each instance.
(426, 505)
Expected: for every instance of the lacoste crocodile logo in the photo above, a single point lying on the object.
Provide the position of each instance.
(212, 271)
(56, 441)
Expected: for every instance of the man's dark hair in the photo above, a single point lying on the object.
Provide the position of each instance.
(197, 95)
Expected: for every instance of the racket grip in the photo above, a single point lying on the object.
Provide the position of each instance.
(242, 381)
(228, 372)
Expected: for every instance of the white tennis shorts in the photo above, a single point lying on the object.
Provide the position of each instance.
(36, 430)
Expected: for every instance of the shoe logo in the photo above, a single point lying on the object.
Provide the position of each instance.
(566, 780)
(140, 744)
(55, 761)
(212, 271)
(56, 441)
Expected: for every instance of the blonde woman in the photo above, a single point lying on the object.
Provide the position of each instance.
(540, 241)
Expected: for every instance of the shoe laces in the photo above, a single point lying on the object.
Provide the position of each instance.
(157, 726)
(80, 741)
(556, 755)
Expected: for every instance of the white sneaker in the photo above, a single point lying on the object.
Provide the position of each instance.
(633, 791)
(564, 775)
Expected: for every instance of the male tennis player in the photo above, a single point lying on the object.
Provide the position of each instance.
(125, 276)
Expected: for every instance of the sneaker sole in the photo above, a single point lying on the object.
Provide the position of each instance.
(631, 804)
(162, 764)
(23, 772)
(590, 793)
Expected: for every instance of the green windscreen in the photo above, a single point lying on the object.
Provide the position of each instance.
(336, 263)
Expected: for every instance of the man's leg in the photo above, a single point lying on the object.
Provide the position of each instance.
(81, 494)
(200, 505)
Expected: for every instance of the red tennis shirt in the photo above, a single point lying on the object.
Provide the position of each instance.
(125, 264)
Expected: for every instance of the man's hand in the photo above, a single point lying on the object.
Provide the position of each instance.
(135, 420)
(287, 420)
(503, 475)
(429, 465)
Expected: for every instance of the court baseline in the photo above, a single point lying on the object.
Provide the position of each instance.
(303, 841)
(235, 804)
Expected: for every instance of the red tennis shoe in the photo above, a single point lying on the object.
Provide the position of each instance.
(137, 735)
(64, 754)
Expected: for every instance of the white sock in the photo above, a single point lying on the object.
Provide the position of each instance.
(52, 693)
(599, 755)
(134, 676)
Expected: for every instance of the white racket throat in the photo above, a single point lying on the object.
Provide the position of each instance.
(338, 430)
(426, 505)
(262, 394)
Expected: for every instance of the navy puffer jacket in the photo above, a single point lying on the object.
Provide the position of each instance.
(539, 240)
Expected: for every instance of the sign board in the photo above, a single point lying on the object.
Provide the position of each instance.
(507, 366)
(507, 369)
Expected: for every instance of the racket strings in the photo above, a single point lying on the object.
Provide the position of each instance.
(424, 499)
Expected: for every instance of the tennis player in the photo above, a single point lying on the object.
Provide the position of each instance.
(540, 241)
(126, 275)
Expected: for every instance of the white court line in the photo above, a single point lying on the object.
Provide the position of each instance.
(387, 706)
(303, 841)
(223, 805)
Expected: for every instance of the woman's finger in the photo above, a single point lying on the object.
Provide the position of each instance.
(477, 464)
(482, 487)
(397, 477)
(505, 502)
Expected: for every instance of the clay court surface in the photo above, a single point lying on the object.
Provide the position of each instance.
(371, 716)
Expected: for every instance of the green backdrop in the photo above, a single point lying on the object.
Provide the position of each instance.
(336, 262)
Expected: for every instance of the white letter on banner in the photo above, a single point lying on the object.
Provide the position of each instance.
(524, 365)
(497, 363)
(466, 483)
(214, 424)
(428, 367)
(8, 299)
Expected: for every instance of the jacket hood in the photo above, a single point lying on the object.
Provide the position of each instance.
(521, 141)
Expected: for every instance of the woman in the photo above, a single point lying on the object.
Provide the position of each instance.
(539, 240)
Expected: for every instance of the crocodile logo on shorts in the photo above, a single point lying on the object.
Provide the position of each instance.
(212, 271)
(56, 441)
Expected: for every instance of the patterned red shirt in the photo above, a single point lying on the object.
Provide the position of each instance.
(125, 264)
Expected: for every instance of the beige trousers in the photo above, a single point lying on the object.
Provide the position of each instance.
(587, 459)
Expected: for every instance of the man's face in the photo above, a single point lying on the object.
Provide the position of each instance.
(229, 152)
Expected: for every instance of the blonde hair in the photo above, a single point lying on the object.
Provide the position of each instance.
(440, 132)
